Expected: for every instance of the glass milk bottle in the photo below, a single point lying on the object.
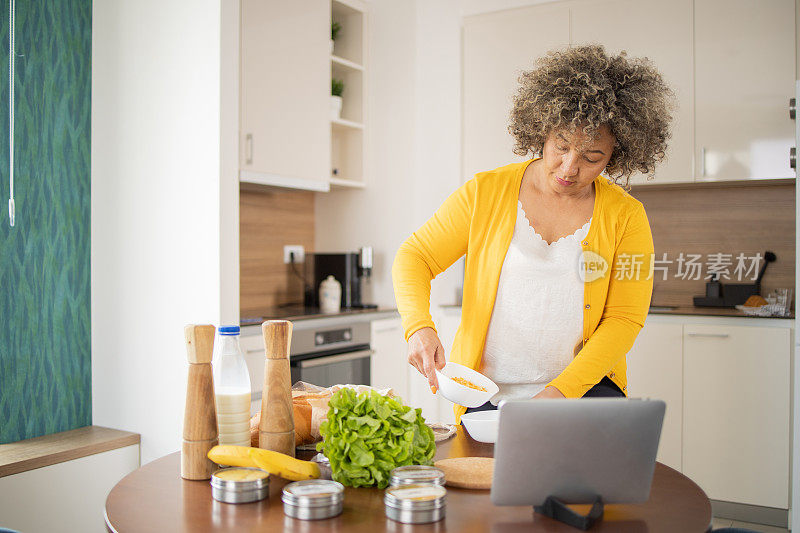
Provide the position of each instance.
(232, 389)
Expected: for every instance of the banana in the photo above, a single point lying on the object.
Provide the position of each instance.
(283, 465)
(273, 462)
(231, 456)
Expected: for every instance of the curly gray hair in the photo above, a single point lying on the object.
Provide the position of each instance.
(583, 87)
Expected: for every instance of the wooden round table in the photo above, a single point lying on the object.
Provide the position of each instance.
(155, 498)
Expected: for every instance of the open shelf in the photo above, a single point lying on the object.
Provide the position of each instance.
(342, 123)
(345, 63)
(349, 64)
(349, 44)
(345, 183)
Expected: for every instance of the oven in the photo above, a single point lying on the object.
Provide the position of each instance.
(324, 355)
(327, 356)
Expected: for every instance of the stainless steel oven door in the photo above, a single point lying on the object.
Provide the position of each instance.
(338, 369)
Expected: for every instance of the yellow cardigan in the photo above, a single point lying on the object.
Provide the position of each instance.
(478, 220)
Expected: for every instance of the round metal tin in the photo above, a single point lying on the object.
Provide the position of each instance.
(414, 474)
(415, 504)
(313, 499)
(239, 485)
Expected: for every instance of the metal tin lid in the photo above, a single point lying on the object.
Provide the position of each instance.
(239, 478)
(418, 497)
(313, 493)
(409, 475)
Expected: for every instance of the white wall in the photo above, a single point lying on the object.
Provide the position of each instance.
(229, 164)
(413, 142)
(155, 207)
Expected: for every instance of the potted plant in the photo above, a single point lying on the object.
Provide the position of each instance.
(335, 29)
(337, 88)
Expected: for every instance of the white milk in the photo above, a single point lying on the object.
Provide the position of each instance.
(233, 416)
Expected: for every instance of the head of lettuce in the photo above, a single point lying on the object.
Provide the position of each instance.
(368, 434)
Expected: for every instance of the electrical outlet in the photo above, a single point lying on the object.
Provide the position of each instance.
(297, 249)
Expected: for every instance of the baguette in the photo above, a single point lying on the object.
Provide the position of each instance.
(302, 423)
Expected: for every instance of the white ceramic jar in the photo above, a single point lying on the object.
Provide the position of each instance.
(330, 295)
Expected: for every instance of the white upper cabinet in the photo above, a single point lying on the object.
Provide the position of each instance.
(497, 48)
(731, 64)
(628, 25)
(285, 93)
(744, 77)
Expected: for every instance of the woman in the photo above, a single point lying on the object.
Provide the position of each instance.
(558, 275)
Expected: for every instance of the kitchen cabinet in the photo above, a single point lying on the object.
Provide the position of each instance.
(655, 370)
(744, 77)
(285, 93)
(628, 25)
(66, 496)
(251, 342)
(389, 364)
(730, 63)
(736, 412)
(726, 382)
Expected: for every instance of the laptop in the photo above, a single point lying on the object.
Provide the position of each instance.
(576, 450)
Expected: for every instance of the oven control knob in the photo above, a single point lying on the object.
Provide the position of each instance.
(347, 335)
(319, 339)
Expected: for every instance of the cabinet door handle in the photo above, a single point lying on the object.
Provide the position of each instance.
(248, 149)
(330, 359)
(715, 335)
(703, 161)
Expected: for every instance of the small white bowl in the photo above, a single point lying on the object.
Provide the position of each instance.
(461, 394)
(482, 425)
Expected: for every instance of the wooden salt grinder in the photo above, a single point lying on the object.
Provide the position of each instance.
(200, 415)
(276, 430)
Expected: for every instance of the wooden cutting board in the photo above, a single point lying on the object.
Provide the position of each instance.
(467, 472)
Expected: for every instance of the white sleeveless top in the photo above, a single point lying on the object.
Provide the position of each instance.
(537, 317)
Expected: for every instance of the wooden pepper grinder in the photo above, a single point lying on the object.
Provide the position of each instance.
(200, 415)
(276, 430)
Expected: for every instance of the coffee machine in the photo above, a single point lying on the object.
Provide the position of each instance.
(350, 269)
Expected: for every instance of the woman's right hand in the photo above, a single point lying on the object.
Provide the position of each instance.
(426, 354)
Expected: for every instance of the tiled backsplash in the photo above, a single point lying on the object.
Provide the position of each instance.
(719, 220)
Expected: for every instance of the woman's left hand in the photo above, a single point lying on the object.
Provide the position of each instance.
(550, 392)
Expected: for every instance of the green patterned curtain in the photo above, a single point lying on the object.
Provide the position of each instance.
(45, 298)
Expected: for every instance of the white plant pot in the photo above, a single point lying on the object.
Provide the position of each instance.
(336, 107)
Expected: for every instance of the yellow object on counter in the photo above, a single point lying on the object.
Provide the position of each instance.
(240, 474)
(478, 220)
(273, 462)
(283, 465)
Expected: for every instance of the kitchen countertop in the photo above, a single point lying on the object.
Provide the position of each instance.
(689, 310)
(299, 313)
(703, 311)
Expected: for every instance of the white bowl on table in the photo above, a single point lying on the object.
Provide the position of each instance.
(461, 394)
(482, 425)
